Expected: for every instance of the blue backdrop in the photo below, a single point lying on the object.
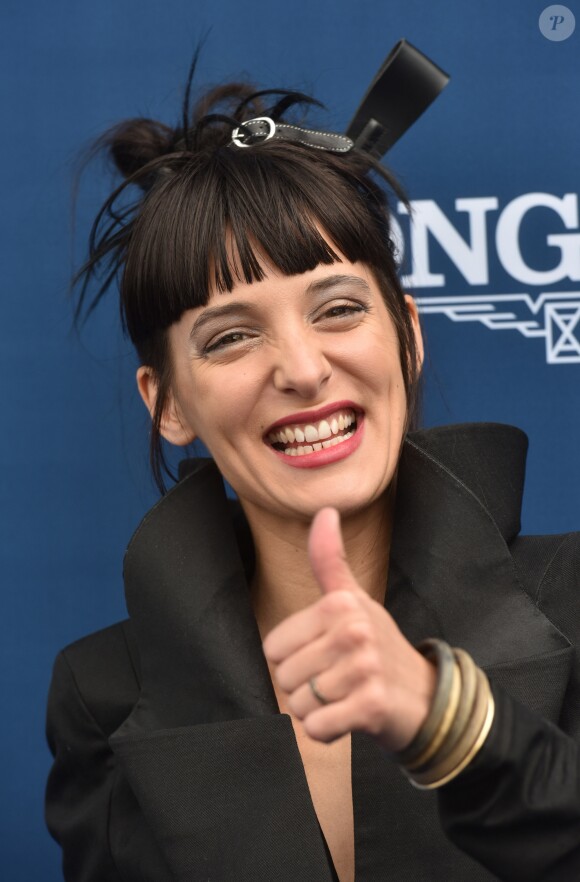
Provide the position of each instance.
(494, 259)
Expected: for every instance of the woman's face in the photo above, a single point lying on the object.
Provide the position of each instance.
(294, 384)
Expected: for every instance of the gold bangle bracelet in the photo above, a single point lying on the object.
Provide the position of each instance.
(441, 654)
(468, 720)
(444, 727)
(436, 769)
(469, 756)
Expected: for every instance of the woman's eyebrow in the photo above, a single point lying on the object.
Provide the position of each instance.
(321, 286)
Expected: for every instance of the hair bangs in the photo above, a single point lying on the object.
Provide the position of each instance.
(210, 225)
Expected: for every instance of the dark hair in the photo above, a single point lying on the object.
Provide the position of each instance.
(207, 212)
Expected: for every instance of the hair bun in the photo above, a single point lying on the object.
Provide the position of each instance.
(135, 143)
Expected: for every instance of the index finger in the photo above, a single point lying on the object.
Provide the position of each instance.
(305, 626)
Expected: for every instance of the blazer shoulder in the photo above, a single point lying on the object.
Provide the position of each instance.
(549, 569)
(105, 669)
(547, 563)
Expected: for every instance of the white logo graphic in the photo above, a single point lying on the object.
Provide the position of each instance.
(553, 316)
(557, 318)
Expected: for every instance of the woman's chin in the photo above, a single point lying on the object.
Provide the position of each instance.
(350, 499)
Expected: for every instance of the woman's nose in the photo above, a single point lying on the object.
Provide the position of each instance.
(302, 367)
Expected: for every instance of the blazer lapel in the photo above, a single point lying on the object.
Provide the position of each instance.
(214, 766)
(227, 800)
(186, 592)
(451, 571)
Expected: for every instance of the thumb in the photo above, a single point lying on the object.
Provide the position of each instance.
(327, 555)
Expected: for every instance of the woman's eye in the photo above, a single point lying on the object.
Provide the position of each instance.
(344, 310)
(225, 340)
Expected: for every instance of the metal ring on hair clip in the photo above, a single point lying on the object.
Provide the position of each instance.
(245, 131)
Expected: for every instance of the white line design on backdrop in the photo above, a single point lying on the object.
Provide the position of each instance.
(552, 315)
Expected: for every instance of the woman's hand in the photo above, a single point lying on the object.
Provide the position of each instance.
(371, 677)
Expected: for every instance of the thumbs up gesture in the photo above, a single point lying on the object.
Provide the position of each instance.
(342, 662)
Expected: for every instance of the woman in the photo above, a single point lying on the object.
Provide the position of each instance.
(259, 286)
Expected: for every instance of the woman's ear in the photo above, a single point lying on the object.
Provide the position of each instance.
(414, 316)
(172, 427)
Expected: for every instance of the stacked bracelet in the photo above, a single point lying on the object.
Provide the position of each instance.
(458, 723)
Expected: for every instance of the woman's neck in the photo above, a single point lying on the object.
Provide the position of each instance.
(283, 581)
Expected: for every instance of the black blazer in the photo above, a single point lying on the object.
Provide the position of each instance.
(173, 762)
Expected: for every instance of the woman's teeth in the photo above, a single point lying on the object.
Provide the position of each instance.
(310, 448)
(316, 435)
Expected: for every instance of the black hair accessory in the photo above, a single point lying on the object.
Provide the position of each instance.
(263, 128)
(405, 85)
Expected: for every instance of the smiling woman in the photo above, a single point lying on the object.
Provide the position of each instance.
(285, 658)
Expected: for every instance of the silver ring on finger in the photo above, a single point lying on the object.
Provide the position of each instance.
(319, 696)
